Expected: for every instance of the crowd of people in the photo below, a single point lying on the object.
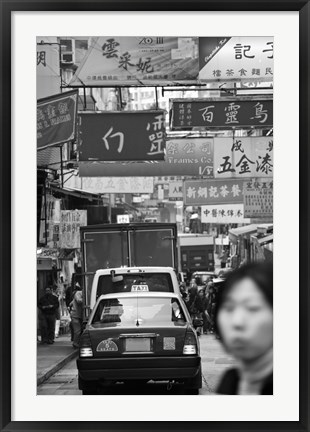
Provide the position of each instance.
(55, 303)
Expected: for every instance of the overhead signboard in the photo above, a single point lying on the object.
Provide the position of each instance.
(221, 113)
(184, 157)
(225, 213)
(70, 223)
(122, 136)
(56, 119)
(145, 60)
(236, 58)
(102, 185)
(202, 192)
(48, 70)
(243, 157)
(258, 198)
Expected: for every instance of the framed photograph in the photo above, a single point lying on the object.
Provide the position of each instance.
(200, 107)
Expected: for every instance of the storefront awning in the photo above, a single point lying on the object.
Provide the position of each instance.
(79, 193)
(265, 239)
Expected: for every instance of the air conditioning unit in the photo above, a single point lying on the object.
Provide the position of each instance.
(67, 58)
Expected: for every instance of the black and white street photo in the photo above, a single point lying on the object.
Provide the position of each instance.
(155, 173)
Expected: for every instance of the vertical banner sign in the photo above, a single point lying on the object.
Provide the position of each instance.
(122, 136)
(226, 213)
(48, 70)
(70, 223)
(56, 119)
(243, 157)
(119, 61)
(221, 113)
(184, 157)
(236, 58)
(258, 198)
(201, 192)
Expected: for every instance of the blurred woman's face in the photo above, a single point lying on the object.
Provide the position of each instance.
(245, 321)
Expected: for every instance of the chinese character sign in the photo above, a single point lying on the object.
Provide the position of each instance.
(56, 119)
(122, 60)
(176, 190)
(122, 136)
(221, 113)
(258, 198)
(118, 184)
(69, 229)
(48, 70)
(184, 156)
(201, 192)
(243, 157)
(236, 58)
(225, 213)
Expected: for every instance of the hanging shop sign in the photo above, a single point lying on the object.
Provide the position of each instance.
(176, 190)
(221, 113)
(243, 157)
(70, 223)
(147, 60)
(56, 119)
(102, 185)
(236, 58)
(184, 157)
(225, 213)
(202, 192)
(122, 136)
(258, 198)
(48, 70)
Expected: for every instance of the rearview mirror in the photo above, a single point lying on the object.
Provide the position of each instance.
(117, 278)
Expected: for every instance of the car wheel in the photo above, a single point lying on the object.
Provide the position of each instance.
(194, 384)
(192, 391)
(88, 388)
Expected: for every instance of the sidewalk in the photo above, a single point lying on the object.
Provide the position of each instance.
(51, 358)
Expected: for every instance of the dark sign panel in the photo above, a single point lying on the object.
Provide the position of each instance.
(184, 157)
(56, 119)
(122, 136)
(221, 113)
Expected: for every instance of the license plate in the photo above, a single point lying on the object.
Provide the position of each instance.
(137, 344)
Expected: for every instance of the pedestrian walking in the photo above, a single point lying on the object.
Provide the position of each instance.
(76, 313)
(224, 259)
(48, 305)
(194, 304)
(244, 320)
(56, 293)
(210, 305)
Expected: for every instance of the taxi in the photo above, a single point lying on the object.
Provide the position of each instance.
(137, 337)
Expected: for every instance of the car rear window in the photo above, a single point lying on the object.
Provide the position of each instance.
(137, 311)
(135, 282)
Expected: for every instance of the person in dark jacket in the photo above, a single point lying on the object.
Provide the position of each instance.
(194, 304)
(48, 304)
(244, 321)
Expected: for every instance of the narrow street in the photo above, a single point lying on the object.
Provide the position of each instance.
(214, 362)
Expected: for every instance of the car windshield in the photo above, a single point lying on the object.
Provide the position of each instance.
(202, 278)
(138, 311)
(134, 282)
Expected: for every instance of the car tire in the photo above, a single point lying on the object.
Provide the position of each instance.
(192, 391)
(194, 384)
(88, 388)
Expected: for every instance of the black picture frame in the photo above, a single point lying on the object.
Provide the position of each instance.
(6, 8)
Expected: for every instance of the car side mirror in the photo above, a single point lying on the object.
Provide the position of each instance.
(197, 322)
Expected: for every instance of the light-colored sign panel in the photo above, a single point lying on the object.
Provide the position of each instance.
(226, 213)
(70, 223)
(236, 58)
(258, 199)
(243, 157)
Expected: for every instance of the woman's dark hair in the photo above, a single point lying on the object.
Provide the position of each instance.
(261, 273)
